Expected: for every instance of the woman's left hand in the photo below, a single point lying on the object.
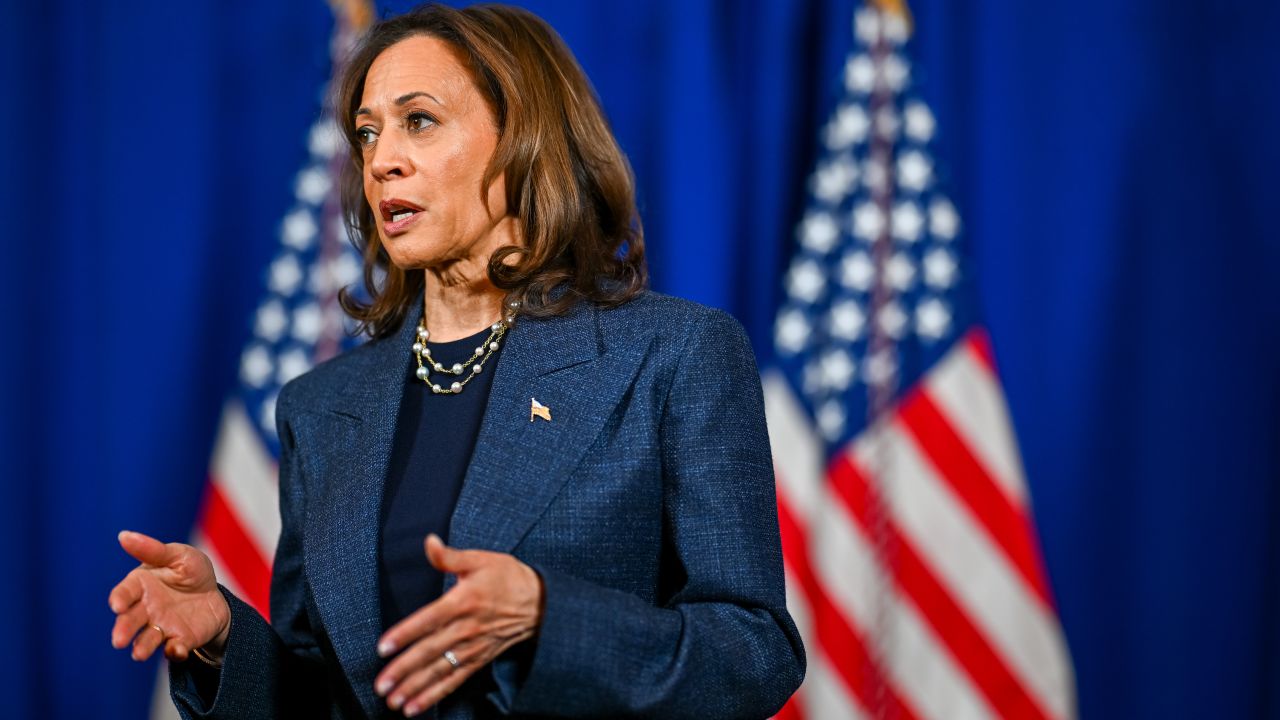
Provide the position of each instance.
(496, 603)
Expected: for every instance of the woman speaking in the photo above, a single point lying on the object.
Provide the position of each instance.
(539, 490)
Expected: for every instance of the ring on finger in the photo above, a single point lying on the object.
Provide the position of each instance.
(451, 658)
(158, 629)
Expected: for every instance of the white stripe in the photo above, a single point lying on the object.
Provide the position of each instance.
(246, 474)
(970, 398)
(824, 695)
(974, 572)
(797, 452)
(798, 608)
(162, 707)
(920, 666)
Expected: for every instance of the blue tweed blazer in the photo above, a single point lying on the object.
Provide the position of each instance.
(646, 504)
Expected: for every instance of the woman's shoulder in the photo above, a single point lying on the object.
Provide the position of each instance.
(666, 316)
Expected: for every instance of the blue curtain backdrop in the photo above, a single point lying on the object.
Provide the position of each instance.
(1114, 164)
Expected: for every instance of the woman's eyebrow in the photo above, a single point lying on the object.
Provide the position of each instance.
(404, 99)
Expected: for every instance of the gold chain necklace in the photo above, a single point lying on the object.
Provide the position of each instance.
(467, 369)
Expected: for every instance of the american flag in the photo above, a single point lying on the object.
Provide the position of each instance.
(912, 561)
(298, 324)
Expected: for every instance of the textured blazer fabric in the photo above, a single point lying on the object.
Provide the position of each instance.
(646, 504)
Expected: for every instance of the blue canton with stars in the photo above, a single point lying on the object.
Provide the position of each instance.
(299, 323)
(873, 295)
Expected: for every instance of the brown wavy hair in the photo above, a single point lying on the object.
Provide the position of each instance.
(568, 183)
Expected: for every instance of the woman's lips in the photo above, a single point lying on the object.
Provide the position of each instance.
(397, 227)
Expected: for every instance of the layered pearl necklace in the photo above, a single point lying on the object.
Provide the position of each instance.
(466, 369)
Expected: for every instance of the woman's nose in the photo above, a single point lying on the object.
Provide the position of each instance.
(388, 159)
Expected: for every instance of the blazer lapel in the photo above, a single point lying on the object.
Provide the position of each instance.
(343, 519)
(521, 461)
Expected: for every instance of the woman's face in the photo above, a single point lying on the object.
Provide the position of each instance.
(428, 135)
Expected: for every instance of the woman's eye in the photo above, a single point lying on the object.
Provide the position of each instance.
(420, 121)
(366, 136)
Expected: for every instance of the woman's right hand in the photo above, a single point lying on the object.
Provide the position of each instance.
(171, 598)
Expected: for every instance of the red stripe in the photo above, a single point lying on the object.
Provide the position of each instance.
(1006, 523)
(240, 555)
(972, 652)
(793, 710)
(835, 634)
(979, 343)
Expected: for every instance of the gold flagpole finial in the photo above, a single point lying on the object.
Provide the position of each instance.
(354, 14)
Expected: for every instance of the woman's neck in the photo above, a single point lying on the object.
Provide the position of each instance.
(454, 308)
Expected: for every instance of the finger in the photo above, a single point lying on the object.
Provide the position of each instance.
(127, 592)
(445, 683)
(452, 560)
(420, 680)
(424, 621)
(127, 625)
(146, 642)
(423, 653)
(146, 549)
(175, 649)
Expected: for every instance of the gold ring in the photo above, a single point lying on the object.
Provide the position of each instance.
(158, 629)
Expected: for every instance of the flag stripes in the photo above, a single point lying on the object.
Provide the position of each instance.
(237, 549)
(967, 625)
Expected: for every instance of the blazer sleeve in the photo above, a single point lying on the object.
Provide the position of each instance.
(724, 645)
(268, 670)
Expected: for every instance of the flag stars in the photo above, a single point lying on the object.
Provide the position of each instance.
(860, 74)
(806, 281)
(887, 124)
(792, 331)
(868, 221)
(324, 139)
(847, 320)
(299, 229)
(907, 221)
(271, 321)
(848, 127)
(838, 370)
(894, 72)
(292, 364)
(831, 419)
(866, 25)
(919, 122)
(255, 366)
(857, 271)
(285, 274)
(875, 175)
(944, 221)
(819, 232)
(939, 269)
(895, 28)
(933, 319)
(900, 272)
(834, 180)
(812, 378)
(880, 368)
(892, 319)
(313, 185)
(914, 170)
(344, 269)
(308, 323)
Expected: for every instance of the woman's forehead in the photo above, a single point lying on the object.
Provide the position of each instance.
(419, 64)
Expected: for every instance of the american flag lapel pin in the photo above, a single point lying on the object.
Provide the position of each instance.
(537, 409)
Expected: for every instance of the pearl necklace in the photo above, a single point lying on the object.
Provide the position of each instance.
(482, 353)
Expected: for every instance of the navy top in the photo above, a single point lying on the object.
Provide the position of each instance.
(435, 436)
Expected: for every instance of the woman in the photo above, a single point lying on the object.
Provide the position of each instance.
(599, 450)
